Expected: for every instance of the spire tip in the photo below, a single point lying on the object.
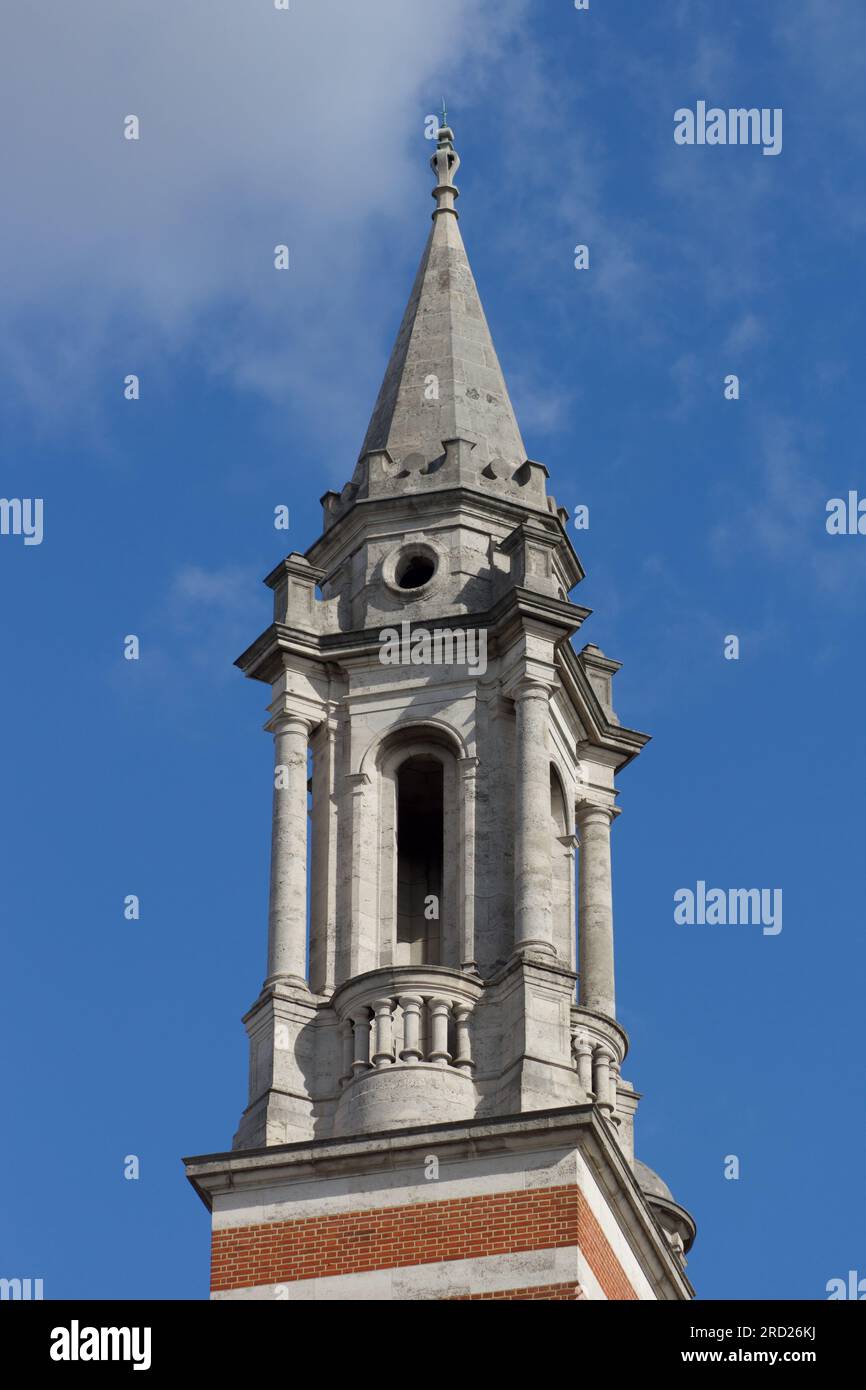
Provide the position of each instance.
(445, 163)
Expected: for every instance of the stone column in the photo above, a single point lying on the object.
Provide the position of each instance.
(362, 951)
(468, 767)
(533, 887)
(287, 917)
(324, 913)
(595, 912)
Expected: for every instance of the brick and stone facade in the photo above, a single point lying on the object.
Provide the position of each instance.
(539, 1206)
(436, 1006)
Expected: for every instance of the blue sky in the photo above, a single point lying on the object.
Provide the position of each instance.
(707, 518)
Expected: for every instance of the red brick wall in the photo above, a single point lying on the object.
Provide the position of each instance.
(420, 1233)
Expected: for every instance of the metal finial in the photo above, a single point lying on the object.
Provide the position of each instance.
(444, 115)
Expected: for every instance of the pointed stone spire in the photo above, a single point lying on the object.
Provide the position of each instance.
(444, 380)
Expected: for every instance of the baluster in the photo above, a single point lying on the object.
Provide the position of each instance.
(583, 1052)
(348, 1050)
(601, 1077)
(439, 1012)
(361, 1022)
(411, 1004)
(614, 1078)
(383, 1055)
(463, 1058)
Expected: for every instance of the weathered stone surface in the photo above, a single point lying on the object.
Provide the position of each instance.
(373, 1019)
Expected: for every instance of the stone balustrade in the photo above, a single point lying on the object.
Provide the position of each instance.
(598, 1048)
(407, 1028)
(406, 1045)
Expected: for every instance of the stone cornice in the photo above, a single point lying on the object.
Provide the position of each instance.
(395, 1150)
(265, 658)
(623, 743)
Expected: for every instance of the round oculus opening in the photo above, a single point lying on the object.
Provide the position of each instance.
(414, 571)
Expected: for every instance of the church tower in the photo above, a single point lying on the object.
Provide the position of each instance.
(437, 1108)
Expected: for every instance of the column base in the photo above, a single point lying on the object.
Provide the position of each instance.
(288, 981)
(534, 947)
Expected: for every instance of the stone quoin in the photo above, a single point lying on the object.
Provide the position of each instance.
(437, 1108)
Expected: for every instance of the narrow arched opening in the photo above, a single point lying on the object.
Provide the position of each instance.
(420, 843)
(558, 813)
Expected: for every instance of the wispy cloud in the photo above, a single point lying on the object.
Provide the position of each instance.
(746, 333)
(782, 518)
(117, 252)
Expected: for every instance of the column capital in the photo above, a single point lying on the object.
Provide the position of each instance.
(584, 810)
(290, 722)
(531, 688)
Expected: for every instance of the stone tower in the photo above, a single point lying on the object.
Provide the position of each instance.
(436, 1102)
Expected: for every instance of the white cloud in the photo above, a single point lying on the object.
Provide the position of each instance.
(258, 127)
(747, 332)
(541, 407)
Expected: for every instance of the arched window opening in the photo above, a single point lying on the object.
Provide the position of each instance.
(420, 835)
(557, 803)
